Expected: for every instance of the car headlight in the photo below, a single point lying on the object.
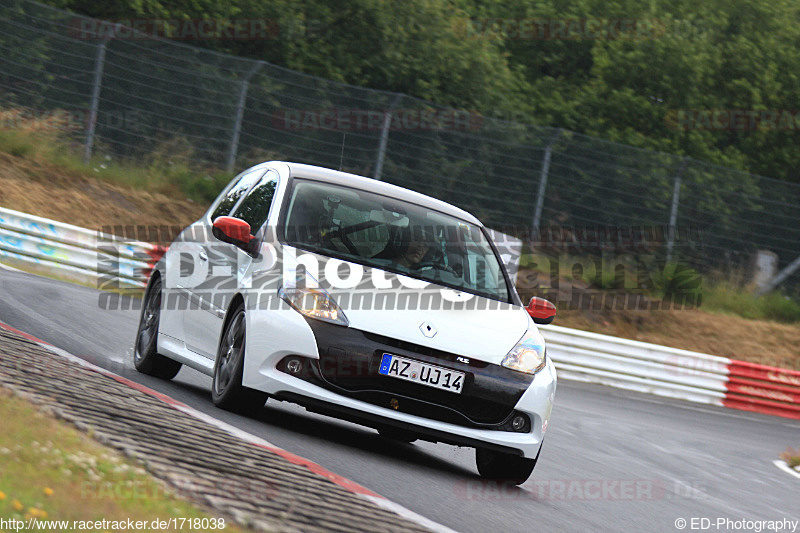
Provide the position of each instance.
(529, 355)
(307, 298)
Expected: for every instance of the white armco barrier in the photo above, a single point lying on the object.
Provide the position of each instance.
(639, 366)
(92, 258)
(73, 253)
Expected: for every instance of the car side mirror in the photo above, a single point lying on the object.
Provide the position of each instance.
(234, 231)
(542, 311)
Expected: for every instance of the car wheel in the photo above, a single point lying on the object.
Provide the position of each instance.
(397, 434)
(145, 358)
(227, 391)
(504, 466)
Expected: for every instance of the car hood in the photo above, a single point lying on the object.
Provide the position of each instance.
(429, 315)
(484, 335)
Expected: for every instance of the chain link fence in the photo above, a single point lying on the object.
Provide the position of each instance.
(142, 95)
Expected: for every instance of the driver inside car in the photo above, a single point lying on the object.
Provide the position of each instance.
(406, 248)
(413, 255)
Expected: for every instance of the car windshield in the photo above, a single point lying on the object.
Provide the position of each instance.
(386, 233)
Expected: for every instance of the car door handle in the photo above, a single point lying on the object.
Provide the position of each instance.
(203, 256)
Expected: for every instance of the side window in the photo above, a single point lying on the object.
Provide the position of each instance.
(371, 241)
(237, 191)
(483, 271)
(255, 208)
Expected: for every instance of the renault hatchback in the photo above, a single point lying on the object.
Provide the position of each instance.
(359, 300)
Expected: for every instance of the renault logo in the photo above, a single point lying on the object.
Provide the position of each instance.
(428, 329)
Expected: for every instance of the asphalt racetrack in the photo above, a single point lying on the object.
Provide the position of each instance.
(612, 461)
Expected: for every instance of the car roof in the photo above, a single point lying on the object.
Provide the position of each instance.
(299, 170)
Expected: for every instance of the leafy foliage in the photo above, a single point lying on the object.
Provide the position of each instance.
(721, 54)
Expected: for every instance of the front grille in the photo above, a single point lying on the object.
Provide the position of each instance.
(360, 376)
(349, 363)
(414, 406)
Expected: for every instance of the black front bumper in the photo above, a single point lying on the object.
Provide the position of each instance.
(379, 422)
(349, 362)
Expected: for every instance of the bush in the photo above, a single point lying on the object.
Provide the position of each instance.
(16, 144)
(726, 298)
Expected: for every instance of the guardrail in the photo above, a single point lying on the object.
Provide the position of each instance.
(764, 389)
(670, 372)
(639, 366)
(80, 255)
(72, 253)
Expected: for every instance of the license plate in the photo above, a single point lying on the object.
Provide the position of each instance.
(438, 377)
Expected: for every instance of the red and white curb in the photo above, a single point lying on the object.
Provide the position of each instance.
(313, 467)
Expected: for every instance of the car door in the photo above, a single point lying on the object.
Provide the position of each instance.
(227, 264)
(203, 262)
(187, 267)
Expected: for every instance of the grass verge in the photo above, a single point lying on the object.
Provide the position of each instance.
(51, 471)
(725, 298)
(166, 171)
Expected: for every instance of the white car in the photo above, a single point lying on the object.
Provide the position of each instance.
(359, 300)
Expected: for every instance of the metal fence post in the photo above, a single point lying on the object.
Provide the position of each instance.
(548, 152)
(673, 214)
(237, 125)
(94, 104)
(387, 122)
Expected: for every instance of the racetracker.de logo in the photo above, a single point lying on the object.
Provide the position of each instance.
(68, 119)
(580, 490)
(45, 119)
(376, 120)
(560, 29)
(197, 489)
(176, 29)
(733, 119)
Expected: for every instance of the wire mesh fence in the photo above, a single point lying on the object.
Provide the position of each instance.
(138, 94)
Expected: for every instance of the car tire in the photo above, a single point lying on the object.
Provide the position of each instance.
(504, 466)
(397, 434)
(227, 391)
(145, 358)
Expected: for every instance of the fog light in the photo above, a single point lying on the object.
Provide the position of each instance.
(518, 423)
(294, 366)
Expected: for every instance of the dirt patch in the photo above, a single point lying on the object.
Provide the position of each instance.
(74, 198)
